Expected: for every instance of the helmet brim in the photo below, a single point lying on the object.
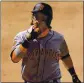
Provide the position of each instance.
(34, 11)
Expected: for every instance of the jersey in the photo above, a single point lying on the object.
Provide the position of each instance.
(41, 62)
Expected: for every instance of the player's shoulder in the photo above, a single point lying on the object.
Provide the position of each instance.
(22, 33)
(58, 35)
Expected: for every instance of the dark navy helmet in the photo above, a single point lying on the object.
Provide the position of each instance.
(46, 9)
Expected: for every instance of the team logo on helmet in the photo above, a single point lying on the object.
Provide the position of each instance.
(41, 7)
(38, 7)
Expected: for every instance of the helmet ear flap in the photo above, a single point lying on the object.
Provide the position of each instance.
(48, 22)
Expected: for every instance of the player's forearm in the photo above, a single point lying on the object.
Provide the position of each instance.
(69, 65)
(18, 53)
(15, 57)
(68, 62)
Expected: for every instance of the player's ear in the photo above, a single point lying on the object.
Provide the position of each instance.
(31, 22)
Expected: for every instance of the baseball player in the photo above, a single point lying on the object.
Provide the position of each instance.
(40, 49)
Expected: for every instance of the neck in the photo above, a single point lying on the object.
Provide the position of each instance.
(44, 33)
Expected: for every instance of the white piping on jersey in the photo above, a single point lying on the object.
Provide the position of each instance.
(45, 47)
(23, 69)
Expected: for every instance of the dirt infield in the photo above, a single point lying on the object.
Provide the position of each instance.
(16, 17)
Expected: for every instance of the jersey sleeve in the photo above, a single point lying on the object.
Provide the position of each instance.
(16, 41)
(20, 38)
(64, 48)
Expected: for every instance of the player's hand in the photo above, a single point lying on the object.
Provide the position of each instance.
(75, 79)
(41, 25)
(38, 28)
(30, 36)
(33, 35)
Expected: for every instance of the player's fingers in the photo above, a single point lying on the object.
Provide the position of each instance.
(36, 24)
(36, 29)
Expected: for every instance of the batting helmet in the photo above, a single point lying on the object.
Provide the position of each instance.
(46, 10)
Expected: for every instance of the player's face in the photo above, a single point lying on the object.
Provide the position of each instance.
(39, 21)
(39, 17)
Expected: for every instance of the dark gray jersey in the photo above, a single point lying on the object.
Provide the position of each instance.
(41, 61)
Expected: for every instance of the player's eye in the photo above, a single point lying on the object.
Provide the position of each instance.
(39, 16)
